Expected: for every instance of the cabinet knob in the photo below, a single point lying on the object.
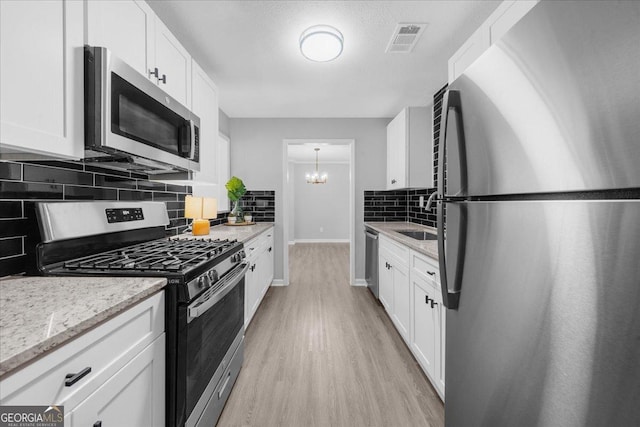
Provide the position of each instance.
(269, 249)
(71, 379)
(393, 181)
(163, 79)
(97, 424)
(431, 273)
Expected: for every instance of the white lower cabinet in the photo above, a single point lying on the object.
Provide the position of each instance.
(428, 329)
(119, 370)
(409, 290)
(259, 252)
(394, 290)
(134, 396)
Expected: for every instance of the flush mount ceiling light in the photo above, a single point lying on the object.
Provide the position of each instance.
(321, 43)
(316, 178)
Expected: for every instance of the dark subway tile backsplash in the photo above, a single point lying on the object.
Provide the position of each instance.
(24, 182)
(398, 205)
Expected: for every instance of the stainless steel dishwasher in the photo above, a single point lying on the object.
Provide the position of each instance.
(371, 261)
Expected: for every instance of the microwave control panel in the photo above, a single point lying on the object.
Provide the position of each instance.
(124, 215)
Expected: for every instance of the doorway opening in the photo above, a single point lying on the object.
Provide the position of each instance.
(318, 213)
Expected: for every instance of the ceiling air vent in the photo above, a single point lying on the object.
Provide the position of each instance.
(405, 37)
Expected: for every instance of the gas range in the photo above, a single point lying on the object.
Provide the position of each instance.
(204, 296)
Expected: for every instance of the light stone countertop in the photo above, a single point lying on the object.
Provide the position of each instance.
(39, 314)
(389, 229)
(242, 233)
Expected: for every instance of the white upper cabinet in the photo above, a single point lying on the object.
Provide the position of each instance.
(132, 31)
(224, 171)
(468, 52)
(409, 149)
(133, 40)
(205, 105)
(41, 79)
(174, 65)
(499, 22)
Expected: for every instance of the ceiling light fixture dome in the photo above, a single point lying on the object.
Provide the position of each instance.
(321, 43)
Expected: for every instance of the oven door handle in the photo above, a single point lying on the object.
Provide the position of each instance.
(211, 297)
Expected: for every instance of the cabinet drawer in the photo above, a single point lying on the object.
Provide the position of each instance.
(426, 268)
(396, 249)
(104, 349)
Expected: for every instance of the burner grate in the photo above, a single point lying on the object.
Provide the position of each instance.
(158, 255)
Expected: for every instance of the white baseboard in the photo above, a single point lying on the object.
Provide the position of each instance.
(359, 282)
(278, 282)
(322, 241)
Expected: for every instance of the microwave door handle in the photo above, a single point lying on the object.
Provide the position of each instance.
(192, 139)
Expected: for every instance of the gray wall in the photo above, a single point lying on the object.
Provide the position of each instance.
(321, 206)
(256, 157)
(223, 123)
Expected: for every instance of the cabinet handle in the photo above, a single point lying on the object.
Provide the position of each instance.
(163, 79)
(433, 302)
(154, 72)
(269, 249)
(97, 424)
(71, 379)
(253, 267)
(426, 299)
(393, 181)
(431, 273)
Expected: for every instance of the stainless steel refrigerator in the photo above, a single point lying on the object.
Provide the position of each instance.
(540, 265)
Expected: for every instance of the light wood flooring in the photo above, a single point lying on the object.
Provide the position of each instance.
(322, 353)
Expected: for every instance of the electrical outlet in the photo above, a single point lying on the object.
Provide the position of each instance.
(421, 202)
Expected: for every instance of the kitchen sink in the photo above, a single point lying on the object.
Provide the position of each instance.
(419, 235)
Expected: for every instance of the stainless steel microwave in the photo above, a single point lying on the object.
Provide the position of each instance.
(131, 123)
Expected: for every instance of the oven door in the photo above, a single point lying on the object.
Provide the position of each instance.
(215, 323)
(127, 113)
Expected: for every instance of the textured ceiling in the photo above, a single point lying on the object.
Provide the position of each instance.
(250, 49)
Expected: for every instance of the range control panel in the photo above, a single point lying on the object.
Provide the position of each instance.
(124, 215)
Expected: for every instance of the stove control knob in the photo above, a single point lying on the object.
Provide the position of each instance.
(202, 282)
(213, 276)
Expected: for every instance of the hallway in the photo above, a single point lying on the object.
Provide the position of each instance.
(322, 353)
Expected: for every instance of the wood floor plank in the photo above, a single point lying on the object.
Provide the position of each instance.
(322, 353)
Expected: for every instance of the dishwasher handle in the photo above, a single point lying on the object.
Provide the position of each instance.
(371, 235)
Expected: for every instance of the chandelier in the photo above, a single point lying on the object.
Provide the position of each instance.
(316, 178)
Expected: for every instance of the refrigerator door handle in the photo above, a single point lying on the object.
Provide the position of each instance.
(451, 101)
(457, 247)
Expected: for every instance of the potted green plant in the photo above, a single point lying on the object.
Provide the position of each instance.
(235, 190)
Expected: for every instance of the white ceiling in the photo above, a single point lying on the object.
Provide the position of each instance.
(250, 49)
(329, 153)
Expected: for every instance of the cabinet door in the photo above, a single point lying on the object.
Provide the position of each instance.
(174, 65)
(41, 79)
(397, 151)
(424, 327)
(134, 396)
(204, 97)
(442, 328)
(224, 172)
(126, 28)
(270, 258)
(401, 299)
(385, 280)
(250, 291)
(468, 52)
